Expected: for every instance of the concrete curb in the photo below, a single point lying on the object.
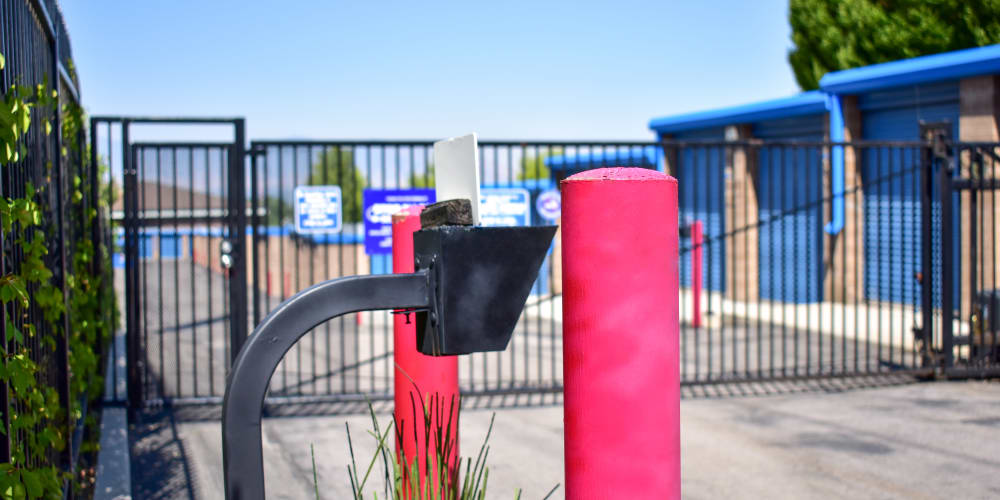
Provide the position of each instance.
(114, 476)
(114, 471)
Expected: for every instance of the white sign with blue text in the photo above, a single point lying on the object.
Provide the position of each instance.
(318, 209)
(504, 207)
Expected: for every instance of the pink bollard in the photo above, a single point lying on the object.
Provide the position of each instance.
(620, 335)
(417, 376)
(697, 242)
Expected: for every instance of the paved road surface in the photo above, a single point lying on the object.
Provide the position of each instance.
(818, 440)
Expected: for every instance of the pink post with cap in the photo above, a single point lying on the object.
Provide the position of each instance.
(420, 380)
(620, 335)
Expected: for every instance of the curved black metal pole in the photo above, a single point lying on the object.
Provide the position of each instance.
(242, 452)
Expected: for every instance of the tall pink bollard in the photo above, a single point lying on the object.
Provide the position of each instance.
(420, 379)
(620, 335)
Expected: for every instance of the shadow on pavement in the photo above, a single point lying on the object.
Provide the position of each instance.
(160, 468)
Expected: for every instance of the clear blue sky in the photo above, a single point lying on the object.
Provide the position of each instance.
(379, 69)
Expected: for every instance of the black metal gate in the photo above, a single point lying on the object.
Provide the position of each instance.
(894, 273)
(964, 342)
(182, 218)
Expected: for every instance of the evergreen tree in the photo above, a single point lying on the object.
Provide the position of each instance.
(831, 35)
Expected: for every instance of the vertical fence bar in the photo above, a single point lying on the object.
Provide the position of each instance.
(178, 391)
(194, 297)
(696, 256)
(210, 272)
(926, 253)
(237, 235)
(131, 269)
(947, 268)
(254, 156)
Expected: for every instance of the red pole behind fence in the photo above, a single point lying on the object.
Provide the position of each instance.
(696, 249)
(418, 377)
(620, 335)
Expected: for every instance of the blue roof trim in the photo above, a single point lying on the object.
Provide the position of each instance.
(806, 103)
(647, 156)
(937, 67)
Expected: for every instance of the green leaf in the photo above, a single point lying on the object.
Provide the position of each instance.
(6, 117)
(25, 113)
(3, 61)
(32, 483)
(18, 336)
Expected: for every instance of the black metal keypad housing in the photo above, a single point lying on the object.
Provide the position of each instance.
(479, 278)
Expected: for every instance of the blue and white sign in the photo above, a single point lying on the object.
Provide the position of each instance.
(549, 204)
(318, 209)
(504, 207)
(380, 205)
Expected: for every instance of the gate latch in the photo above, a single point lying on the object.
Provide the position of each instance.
(226, 254)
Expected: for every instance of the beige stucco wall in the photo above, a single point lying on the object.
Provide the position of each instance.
(843, 253)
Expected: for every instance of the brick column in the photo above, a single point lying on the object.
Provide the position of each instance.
(742, 248)
(978, 122)
(844, 255)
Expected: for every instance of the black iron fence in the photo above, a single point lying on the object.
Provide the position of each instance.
(819, 259)
(804, 276)
(57, 314)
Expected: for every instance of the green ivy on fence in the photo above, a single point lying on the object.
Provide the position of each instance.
(37, 417)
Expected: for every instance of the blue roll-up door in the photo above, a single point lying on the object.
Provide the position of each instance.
(145, 245)
(700, 193)
(170, 245)
(892, 188)
(789, 188)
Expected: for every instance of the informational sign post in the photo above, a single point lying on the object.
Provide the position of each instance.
(505, 207)
(318, 209)
(379, 206)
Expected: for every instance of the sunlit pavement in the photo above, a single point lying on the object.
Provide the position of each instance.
(834, 439)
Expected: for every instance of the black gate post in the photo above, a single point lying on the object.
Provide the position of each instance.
(237, 237)
(254, 228)
(947, 268)
(926, 250)
(130, 220)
